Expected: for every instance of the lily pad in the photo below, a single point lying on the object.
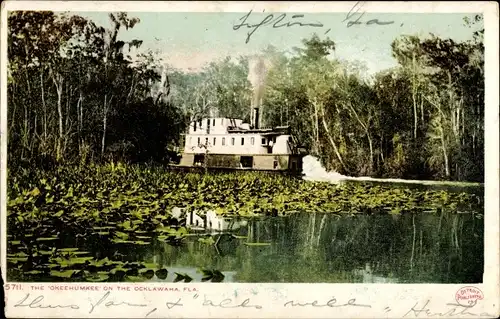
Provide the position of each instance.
(182, 277)
(103, 227)
(162, 273)
(67, 249)
(46, 238)
(72, 261)
(17, 259)
(147, 273)
(45, 252)
(80, 253)
(62, 274)
(97, 277)
(258, 244)
(240, 237)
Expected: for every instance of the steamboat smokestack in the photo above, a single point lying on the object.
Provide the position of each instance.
(255, 117)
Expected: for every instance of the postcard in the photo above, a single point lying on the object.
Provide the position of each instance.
(249, 159)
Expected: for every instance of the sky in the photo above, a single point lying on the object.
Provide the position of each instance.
(188, 41)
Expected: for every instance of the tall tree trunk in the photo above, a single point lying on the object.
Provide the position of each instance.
(58, 83)
(415, 116)
(442, 137)
(68, 100)
(367, 133)
(59, 112)
(105, 122)
(414, 97)
(14, 109)
(445, 152)
(104, 125)
(370, 144)
(316, 129)
(44, 106)
(422, 111)
(27, 129)
(330, 138)
(79, 117)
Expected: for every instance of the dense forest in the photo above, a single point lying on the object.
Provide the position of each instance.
(77, 95)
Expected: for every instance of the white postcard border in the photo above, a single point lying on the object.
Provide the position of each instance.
(385, 300)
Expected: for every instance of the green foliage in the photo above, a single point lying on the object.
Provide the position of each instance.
(130, 206)
(77, 96)
(433, 101)
(128, 201)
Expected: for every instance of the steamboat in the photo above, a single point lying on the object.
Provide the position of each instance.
(228, 144)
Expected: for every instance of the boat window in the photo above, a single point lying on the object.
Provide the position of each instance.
(199, 141)
(213, 122)
(252, 140)
(232, 141)
(264, 141)
(242, 141)
(214, 140)
(223, 141)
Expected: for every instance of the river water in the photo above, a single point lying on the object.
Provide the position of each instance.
(420, 248)
(432, 247)
(410, 248)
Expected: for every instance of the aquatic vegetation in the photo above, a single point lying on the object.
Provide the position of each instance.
(54, 217)
(211, 275)
(182, 277)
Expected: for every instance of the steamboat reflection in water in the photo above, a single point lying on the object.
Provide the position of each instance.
(413, 248)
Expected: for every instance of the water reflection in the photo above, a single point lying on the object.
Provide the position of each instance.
(211, 222)
(308, 247)
(420, 248)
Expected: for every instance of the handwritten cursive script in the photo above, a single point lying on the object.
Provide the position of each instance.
(276, 22)
(37, 302)
(453, 310)
(354, 16)
(330, 303)
(111, 303)
(229, 303)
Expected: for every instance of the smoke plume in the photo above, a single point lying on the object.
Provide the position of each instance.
(257, 72)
